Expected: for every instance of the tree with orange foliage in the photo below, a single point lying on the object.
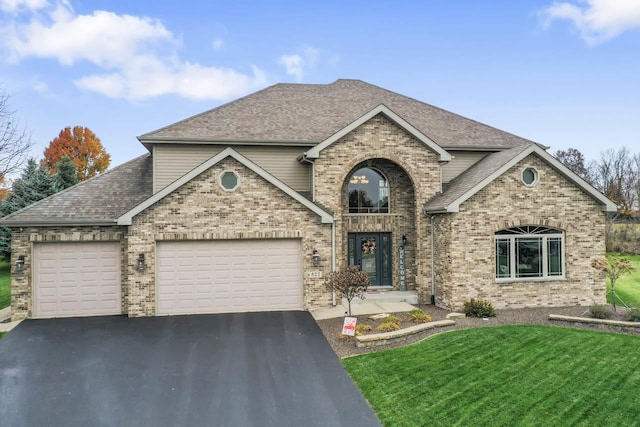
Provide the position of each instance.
(83, 147)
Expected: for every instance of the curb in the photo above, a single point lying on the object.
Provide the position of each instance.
(388, 337)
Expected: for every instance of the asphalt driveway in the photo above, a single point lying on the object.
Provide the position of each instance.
(247, 369)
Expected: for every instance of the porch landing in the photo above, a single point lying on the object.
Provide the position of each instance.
(374, 303)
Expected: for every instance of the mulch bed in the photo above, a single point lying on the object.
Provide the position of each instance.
(332, 328)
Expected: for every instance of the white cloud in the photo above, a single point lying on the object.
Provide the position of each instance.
(136, 54)
(293, 65)
(596, 20)
(217, 43)
(14, 6)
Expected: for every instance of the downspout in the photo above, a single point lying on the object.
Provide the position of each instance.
(333, 257)
(333, 224)
(433, 261)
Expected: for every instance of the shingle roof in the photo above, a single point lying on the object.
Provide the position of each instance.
(468, 179)
(100, 200)
(310, 113)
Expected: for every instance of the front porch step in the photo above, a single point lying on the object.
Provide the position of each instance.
(410, 297)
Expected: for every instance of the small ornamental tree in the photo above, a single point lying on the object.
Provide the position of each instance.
(350, 282)
(613, 269)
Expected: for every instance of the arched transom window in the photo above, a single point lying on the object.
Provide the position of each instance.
(368, 192)
(529, 252)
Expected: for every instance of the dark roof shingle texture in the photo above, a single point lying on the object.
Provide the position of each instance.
(98, 200)
(311, 113)
(471, 177)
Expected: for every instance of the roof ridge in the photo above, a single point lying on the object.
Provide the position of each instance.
(75, 187)
(445, 111)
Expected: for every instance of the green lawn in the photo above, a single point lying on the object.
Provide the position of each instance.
(628, 286)
(505, 376)
(5, 284)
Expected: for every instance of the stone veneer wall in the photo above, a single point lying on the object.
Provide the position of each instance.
(22, 240)
(465, 254)
(202, 209)
(379, 138)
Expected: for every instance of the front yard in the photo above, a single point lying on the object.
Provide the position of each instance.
(627, 286)
(505, 375)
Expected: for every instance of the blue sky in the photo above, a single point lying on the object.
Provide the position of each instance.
(562, 73)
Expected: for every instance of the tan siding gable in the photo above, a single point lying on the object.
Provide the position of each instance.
(174, 160)
(462, 160)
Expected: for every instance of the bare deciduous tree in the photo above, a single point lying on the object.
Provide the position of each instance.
(15, 141)
(350, 282)
(574, 160)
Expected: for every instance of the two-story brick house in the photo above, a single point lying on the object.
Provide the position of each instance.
(248, 207)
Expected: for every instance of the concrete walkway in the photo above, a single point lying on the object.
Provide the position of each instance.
(361, 308)
(5, 314)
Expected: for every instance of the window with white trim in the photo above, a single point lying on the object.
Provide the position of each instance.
(529, 252)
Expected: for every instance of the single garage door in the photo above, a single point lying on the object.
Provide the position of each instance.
(225, 276)
(76, 279)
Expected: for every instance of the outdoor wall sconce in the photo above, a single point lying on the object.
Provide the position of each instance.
(404, 240)
(141, 264)
(20, 263)
(316, 258)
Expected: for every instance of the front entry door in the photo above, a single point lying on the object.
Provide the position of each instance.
(372, 252)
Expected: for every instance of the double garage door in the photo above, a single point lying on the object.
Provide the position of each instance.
(83, 279)
(228, 276)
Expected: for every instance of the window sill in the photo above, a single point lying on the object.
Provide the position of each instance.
(370, 214)
(530, 279)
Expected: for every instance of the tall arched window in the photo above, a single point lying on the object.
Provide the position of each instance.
(529, 252)
(368, 192)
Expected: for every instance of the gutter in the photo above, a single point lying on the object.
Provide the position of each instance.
(57, 223)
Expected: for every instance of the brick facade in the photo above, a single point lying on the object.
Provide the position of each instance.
(202, 210)
(465, 255)
(413, 173)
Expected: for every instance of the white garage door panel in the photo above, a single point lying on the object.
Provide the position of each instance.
(76, 279)
(229, 275)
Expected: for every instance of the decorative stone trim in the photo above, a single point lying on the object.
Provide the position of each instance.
(384, 338)
(231, 235)
(594, 321)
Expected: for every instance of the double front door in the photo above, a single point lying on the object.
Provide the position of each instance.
(372, 252)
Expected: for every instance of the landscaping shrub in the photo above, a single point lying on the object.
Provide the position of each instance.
(600, 311)
(479, 308)
(419, 316)
(393, 319)
(388, 326)
(343, 337)
(363, 328)
(633, 315)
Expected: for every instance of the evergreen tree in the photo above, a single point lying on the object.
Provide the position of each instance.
(66, 173)
(35, 183)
